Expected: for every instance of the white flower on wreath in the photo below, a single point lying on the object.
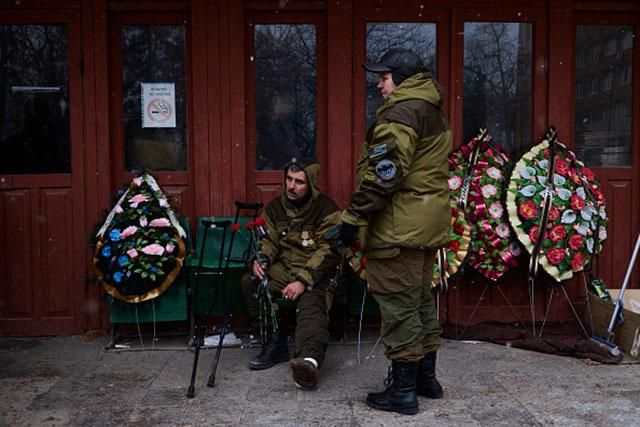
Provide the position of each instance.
(502, 230)
(489, 190)
(494, 173)
(527, 172)
(496, 210)
(602, 233)
(543, 164)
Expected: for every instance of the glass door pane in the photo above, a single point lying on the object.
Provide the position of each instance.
(604, 95)
(382, 36)
(34, 99)
(285, 88)
(154, 97)
(497, 82)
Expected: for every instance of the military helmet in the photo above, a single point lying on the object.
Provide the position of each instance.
(401, 63)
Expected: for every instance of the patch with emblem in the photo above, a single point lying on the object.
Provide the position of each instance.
(378, 151)
(332, 232)
(386, 170)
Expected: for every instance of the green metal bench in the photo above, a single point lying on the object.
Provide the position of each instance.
(209, 297)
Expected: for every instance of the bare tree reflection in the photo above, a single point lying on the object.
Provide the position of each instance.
(34, 113)
(382, 36)
(497, 82)
(285, 64)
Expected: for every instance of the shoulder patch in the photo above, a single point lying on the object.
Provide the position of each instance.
(378, 151)
(386, 169)
(332, 232)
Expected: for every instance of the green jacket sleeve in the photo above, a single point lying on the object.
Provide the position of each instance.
(388, 159)
(322, 263)
(270, 243)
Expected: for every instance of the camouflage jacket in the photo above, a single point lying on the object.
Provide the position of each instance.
(402, 199)
(301, 238)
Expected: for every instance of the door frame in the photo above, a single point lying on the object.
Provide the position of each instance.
(42, 313)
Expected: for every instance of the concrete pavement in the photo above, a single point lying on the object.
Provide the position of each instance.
(68, 381)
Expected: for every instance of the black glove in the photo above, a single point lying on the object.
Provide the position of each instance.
(348, 234)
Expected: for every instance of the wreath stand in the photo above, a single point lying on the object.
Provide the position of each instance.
(483, 138)
(552, 137)
(170, 306)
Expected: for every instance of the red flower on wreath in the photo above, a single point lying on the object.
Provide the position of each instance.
(557, 233)
(577, 261)
(588, 173)
(554, 213)
(533, 233)
(528, 209)
(458, 228)
(575, 242)
(573, 176)
(562, 167)
(577, 202)
(454, 246)
(597, 193)
(556, 255)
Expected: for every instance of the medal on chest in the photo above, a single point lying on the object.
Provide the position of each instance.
(306, 238)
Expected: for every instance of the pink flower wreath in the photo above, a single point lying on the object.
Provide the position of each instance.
(493, 249)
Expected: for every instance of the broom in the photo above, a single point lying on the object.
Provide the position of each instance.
(606, 341)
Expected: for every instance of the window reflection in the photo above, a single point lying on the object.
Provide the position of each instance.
(382, 36)
(497, 83)
(604, 62)
(153, 54)
(285, 67)
(34, 99)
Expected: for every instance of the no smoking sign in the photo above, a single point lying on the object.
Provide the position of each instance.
(158, 101)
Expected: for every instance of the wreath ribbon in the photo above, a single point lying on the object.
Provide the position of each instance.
(551, 136)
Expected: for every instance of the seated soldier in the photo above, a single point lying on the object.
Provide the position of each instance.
(296, 256)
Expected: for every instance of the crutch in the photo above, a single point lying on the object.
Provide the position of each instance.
(199, 326)
(223, 267)
(228, 307)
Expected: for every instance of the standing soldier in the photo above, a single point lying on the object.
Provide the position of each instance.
(297, 257)
(402, 204)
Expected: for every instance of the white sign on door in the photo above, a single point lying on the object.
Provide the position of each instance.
(158, 105)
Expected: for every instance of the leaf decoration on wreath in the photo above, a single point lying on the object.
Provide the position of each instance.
(455, 253)
(140, 247)
(478, 174)
(550, 187)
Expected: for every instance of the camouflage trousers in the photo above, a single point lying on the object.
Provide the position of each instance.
(400, 281)
(312, 321)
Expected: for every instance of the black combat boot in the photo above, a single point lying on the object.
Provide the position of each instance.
(427, 385)
(400, 395)
(275, 350)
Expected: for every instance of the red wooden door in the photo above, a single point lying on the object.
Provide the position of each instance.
(41, 174)
(606, 126)
(150, 55)
(444, 37)
(492, 43)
